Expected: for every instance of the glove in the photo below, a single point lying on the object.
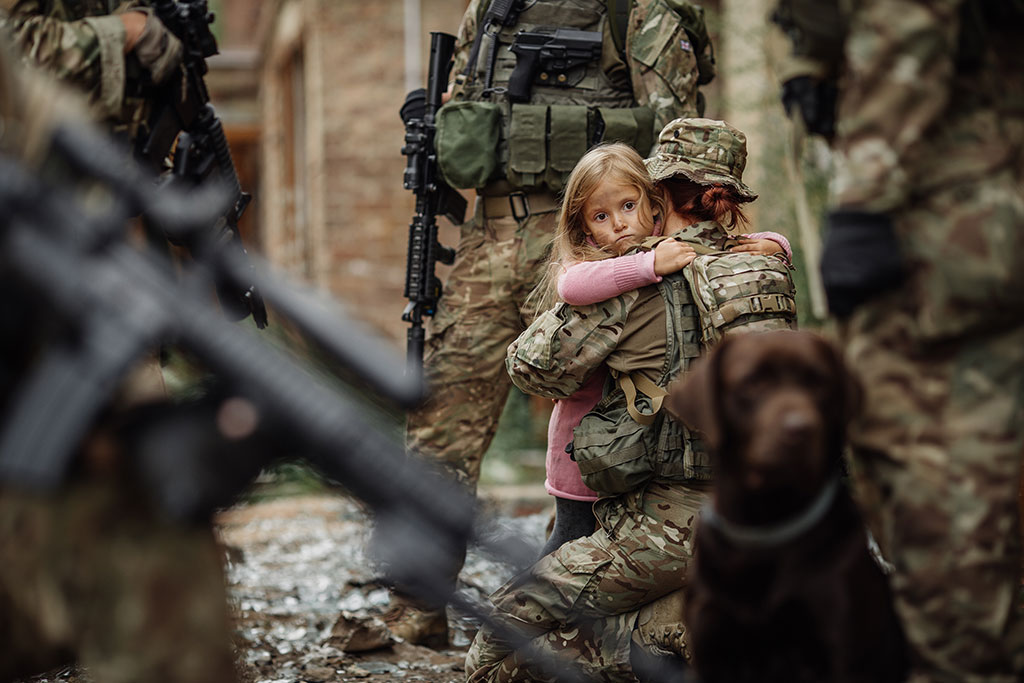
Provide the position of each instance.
(815, 100)
(415, 106)
(158, 50)
(861, 259)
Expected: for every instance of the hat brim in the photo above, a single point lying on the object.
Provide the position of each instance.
(663, 166)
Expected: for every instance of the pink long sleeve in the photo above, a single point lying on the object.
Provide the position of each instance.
(774, 237)
(590, 282)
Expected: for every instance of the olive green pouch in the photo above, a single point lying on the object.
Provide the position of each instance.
(614, 452)
(633, 126)
(527, 142)
(466, 141)
(566, 143)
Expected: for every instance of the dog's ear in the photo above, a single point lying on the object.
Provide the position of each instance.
(693, 397)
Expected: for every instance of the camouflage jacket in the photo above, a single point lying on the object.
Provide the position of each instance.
(81, 42)
(564, 345)
(925, 84)
(659, 57)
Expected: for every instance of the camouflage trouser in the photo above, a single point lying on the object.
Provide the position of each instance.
(91, 574)
(497, 265)
(938, 451)
(581, 602)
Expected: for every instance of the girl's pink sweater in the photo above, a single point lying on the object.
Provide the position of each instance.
(585, 283)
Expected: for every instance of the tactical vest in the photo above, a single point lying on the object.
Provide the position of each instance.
(626, 439)
(483, 137)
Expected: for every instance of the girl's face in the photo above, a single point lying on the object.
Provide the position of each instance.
(612, 216)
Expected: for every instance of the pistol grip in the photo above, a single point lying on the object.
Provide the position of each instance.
(521, 82)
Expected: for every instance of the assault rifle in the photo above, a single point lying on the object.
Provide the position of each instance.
(546, 57)
(184, 121)
(434, 197)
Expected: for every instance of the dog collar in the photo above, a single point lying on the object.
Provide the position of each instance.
(773, 534)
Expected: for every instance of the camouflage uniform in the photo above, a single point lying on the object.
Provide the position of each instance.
(931, 135)
(93, 573)
(500, 259)
(81, 43)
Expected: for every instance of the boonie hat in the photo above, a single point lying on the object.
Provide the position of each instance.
(706, 151)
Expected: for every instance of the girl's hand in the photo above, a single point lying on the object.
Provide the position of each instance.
(764, 247)
(670, 256)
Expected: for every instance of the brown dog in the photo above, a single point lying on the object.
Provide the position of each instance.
(783, 586)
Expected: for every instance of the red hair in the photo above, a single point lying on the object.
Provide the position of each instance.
(707, 202)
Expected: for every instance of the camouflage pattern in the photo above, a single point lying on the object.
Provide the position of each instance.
(482, 310)
(91, 572)
(662, 66)
(931, 132)
(81, 43)
(665, 64)
(581, 603)
(95, 576)
(741, 293)
(560, 349)
(705, 151)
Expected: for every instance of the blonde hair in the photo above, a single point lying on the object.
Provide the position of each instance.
(571, 244)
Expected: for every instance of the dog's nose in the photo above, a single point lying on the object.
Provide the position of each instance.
(796, 424)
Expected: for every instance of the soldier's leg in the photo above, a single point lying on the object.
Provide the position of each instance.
(36, 633)
(156, 601)
(640, 554)
(937, 466)
(497, 264)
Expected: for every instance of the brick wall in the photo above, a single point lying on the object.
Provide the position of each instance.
(333, 208)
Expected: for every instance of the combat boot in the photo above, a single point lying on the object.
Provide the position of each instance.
(659, 634)
(416, 625)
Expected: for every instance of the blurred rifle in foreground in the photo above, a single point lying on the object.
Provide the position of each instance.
(184, 125)
(434, 197)
(116, 300)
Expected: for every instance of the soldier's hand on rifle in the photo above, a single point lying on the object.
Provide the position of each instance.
(157, 49)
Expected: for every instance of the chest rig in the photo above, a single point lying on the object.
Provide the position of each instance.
(541, 91)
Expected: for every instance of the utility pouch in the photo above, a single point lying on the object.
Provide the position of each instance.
(527, 143)
(466, 141)
(615, 453)
(566, 143)
(633, 126)
(738, 292)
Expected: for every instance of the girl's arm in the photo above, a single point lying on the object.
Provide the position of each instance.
(749, 243)
(590, 282)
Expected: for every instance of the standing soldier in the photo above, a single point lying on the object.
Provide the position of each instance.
(101, 48)
(515, 126)
(923, 266)
(93, 572)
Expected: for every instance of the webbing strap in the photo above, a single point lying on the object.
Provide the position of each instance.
(629, 383)
(757, 303)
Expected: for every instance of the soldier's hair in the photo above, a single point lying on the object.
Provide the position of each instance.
(707, 202)
(571, 244)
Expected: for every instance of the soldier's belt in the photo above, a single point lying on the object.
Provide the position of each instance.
(519, 205)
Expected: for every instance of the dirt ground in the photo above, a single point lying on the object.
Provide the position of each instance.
(303, 591)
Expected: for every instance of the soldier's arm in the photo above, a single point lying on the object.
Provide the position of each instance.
(563, 347)
(663, 58)
(87, 53)
(899, 59)
(465, 37)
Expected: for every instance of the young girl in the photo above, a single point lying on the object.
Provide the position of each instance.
(610, 205)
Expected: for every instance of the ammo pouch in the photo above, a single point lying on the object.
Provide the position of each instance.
(529, 145)
(615, 453)
(738, 292)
